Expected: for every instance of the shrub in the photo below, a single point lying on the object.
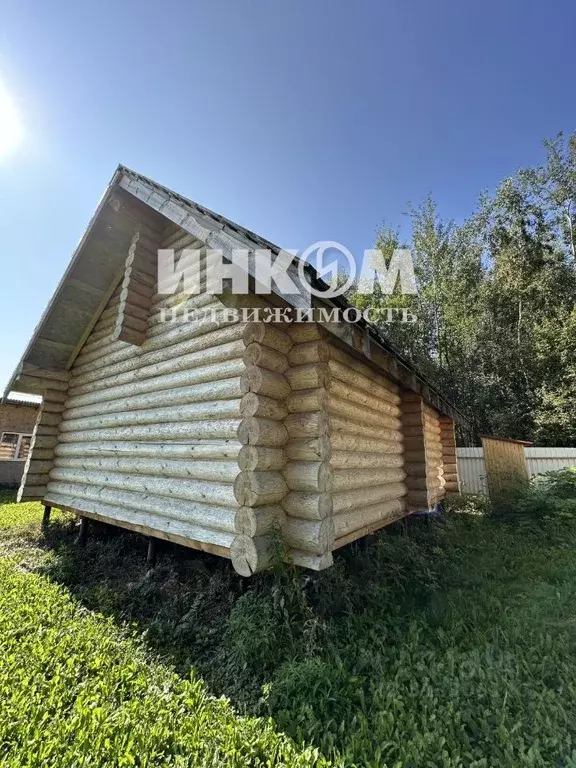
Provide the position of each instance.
(546, 497)
(561, 483)
(467, 503)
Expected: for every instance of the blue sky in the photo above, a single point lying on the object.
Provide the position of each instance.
(304, 120)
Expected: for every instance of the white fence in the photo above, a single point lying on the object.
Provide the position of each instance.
(472, 472)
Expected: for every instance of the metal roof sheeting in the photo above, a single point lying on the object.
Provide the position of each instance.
(22, 398)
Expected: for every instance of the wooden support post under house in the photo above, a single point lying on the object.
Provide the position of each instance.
(82, 532)
(152, 552)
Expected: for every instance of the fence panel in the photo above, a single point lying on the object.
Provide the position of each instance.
(541, 460)
(471, 470)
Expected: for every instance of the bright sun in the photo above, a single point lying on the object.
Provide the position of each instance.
(10, 129)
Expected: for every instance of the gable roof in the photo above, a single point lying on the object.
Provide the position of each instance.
(133, 201)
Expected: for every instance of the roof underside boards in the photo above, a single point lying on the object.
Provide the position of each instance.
(94, 272)
(132, 202)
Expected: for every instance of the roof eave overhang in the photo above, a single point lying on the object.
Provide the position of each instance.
(18, 381)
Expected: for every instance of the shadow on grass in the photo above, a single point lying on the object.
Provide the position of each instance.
(195, 611)
(181, 606)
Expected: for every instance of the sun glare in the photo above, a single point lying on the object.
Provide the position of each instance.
(10, 129)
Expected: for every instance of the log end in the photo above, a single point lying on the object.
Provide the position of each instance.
(250, 555)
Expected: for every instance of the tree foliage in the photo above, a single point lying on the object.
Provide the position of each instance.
(496, 326)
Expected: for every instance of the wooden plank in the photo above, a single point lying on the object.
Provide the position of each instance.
(367, 530)
(505, 463)
(101, 307)
(212, 549)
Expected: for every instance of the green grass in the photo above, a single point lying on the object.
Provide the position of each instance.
(76, 690)
(447, 643)
(13, 514)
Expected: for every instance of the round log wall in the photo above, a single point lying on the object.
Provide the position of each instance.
(260, 485)
(368, 488)
(345, 470)
(309, 530)
(40, 459)
(449, 460)
(148, 431)
(434, 460)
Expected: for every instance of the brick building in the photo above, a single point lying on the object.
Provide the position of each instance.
(18, 415)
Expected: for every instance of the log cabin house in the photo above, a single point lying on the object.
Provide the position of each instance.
(221, 435)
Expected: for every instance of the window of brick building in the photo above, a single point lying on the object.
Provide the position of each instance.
(14, 446)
